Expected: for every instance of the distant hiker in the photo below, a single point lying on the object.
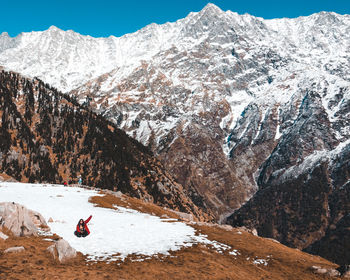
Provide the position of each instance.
(80, 181)
(82, 228)
(65, 184)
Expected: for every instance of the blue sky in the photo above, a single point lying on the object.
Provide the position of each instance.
(101, 18)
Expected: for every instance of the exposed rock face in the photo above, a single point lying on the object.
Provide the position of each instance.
(62, 250)
(303, 197)
(20, 220)
(47, 137)
(305, 206)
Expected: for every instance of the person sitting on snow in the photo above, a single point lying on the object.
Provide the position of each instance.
(82, 228)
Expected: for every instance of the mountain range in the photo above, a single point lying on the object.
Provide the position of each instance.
(250, 116)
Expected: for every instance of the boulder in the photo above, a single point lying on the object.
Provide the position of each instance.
(331, 272)
(254, 232)
(20, 220)
(14, 250)
(319, 270)
(62, 250)
(3, 236)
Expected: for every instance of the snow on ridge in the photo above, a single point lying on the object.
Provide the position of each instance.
(310, 161)
(67, 59)
(115, 234)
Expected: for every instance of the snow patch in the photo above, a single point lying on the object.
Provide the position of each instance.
(115, 234)
(260, 262)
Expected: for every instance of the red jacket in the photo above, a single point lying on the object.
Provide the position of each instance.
(85, 225)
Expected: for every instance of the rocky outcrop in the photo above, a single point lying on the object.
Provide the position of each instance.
(305, 206)
(303, 189)
(62, 251)
(20, 220)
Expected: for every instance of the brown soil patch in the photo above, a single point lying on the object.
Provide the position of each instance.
(198, 262)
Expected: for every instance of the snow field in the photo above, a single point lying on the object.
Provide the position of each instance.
(115, 234)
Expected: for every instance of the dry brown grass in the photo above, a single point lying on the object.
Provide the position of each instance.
(284, 263)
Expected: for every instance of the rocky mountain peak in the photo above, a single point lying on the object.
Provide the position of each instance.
(54, 28)
(6, 41)
(4, 35)
(327, 18)
(211, 10)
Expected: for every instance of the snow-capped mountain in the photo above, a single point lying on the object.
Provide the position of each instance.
(228, 102)
(193, 101)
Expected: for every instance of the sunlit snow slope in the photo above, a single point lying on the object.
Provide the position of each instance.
(115, 234)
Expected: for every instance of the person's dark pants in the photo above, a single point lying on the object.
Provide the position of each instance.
(81, 234)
